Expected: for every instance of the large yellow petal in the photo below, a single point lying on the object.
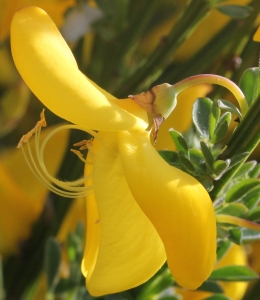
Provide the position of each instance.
(47, 65)
(130, 250)
(177, 205)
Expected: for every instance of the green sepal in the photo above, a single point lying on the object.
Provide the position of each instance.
(235, 235)
(200, 115)
(241, 189)
(235, 11)
(222, 127)
(230, 107)
(179, 142)
(233, 273)
(52, 261)
(250, 84)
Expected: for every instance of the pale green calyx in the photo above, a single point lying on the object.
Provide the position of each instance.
(160, 101)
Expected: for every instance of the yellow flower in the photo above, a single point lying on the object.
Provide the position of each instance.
(140, 210)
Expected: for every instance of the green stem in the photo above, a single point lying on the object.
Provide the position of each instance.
(159, 58)
(237, 221)
(244, 139)
(214, 79)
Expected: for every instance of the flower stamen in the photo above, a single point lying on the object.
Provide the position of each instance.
(73, 189)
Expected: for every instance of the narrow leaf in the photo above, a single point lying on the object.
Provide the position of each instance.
(179, 141)
(209, 159)
(240, 189)
(213, 119)
(235, 11)
(52, 262)
(250, 84)
(236, 159)
(219, 168)
(222, 127)
(230, 107)
(235, 235)
(233, 273)
(223, 247)
(200, 114)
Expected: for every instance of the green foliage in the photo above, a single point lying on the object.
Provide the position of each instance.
(250, 84)
(235, 11)
(233, 273)
(52, 262)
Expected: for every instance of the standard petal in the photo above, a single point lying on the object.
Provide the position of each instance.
(48, 67)
(177, 205)
(130, 250)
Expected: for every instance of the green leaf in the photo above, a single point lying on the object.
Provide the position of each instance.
(240, 189)
(230, 107)
(213, 119)
(220, 167)
(233, 273)
(234, 209)
(179, 141)
(255, 172)
(246, 168)
(235, 11)
(186, 162)
(250, 84)
(197, 159)
(254, 214)
(235, 235)
(169, 156)
(250, 235)
(236, 159)
(218, 297)
(206, 182)
(211, 286)
(52, 261)
(209, 159)
(200, 115)
(223, 247)
(252, 198)
(222, 127)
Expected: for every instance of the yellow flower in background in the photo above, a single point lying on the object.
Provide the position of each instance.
(22, 196)
(55, 8)
(180, 119)
(140, 210)
(201, 35)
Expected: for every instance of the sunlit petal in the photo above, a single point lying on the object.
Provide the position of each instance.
(48, 67)
(177, 205)
(130, 250)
